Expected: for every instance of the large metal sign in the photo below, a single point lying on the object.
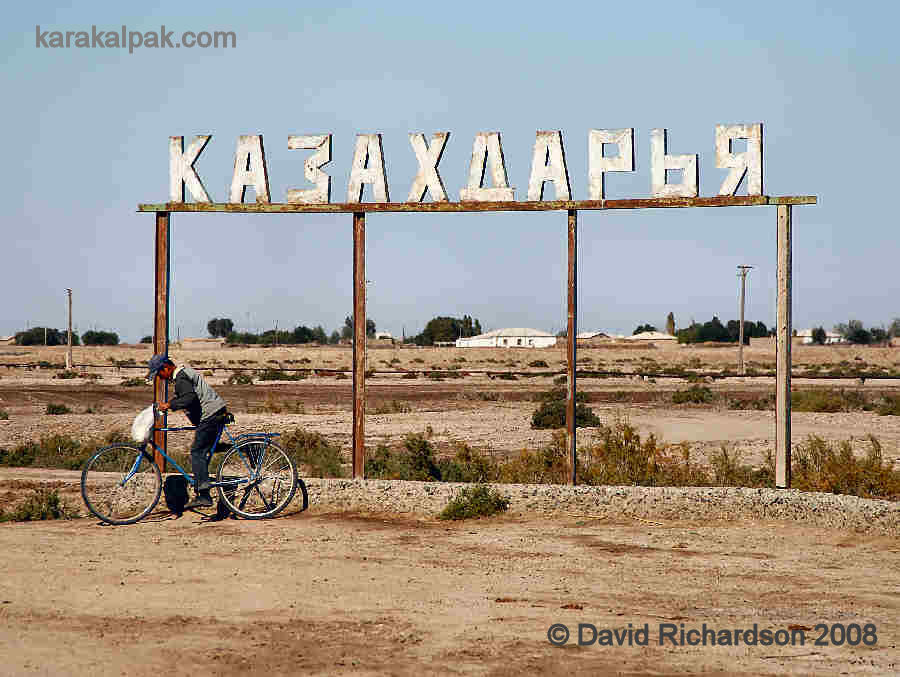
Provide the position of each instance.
(548, 166)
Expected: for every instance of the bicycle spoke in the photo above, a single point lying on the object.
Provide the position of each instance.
(120, 485)
(270, 479)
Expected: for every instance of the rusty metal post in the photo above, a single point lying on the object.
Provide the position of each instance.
(783, 353)
(571, 347)
(161, 320)
(359, 345)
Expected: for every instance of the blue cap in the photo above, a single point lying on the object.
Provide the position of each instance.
(156, 363)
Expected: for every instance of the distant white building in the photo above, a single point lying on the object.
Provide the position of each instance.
(383, 335)
(509, 338)
(654, 336)
(805, 337)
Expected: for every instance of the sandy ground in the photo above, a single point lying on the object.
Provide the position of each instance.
(346, 593)
(361, 594)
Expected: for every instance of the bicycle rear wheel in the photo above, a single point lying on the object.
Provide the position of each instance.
(121, 484)
(257, 479)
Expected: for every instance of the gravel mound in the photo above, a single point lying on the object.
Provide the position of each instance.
(659, 503)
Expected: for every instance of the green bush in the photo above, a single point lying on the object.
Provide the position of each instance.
(67, 374)
(316, 454)
(473, 502)
(281, 375)
(239, 378)
(696, 394)
(552, 412)
(55, 409)
(764, 402)
(416, 462)
(889, 406)
(468, 465)
(4, 416)
(43, 504)
(538, 363)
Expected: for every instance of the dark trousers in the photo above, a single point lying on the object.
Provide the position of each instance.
(204, 437)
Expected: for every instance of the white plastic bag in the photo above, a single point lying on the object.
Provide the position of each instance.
(143, 425)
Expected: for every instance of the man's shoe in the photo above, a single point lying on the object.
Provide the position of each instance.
(199, 502)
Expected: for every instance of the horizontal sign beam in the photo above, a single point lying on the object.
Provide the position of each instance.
(535, 206)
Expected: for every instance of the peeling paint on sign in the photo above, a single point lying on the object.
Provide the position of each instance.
(549, 164)
(661, 162)
(321, 143)
(428, 178)
(368, 167)
(623, 161)
(487, 149)
(249, 169)
(181, 169)
(748, 162)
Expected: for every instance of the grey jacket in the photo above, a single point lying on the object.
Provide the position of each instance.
(194, 395)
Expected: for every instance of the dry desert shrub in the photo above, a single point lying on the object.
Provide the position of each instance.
(43, 504)
(832, 467)
(57, 451)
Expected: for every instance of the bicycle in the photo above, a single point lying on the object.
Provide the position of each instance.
(121, 483)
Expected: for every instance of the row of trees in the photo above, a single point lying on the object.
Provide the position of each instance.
(37, 336)
(438, 329)
(717, 332)
(224, 328)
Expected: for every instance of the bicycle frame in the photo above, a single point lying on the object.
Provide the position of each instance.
(233, 440)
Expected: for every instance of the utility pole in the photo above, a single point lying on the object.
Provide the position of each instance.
(743, 270)
(69, 351)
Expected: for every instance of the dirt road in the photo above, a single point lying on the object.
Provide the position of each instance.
(351, 594)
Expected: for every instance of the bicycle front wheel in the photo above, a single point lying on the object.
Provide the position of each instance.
(121, 484)
(257, 479)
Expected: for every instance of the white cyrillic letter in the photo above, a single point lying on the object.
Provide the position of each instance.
(181, 169)
(548, 146)
(660, 162)
(321, 143)
(249, 169)
(599, 165)
(368, 147)
(487, 148)
(749, 162)
(428, 177)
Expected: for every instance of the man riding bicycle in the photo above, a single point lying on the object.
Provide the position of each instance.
(205, 409)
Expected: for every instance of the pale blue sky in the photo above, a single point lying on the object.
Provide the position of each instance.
(86, 140)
